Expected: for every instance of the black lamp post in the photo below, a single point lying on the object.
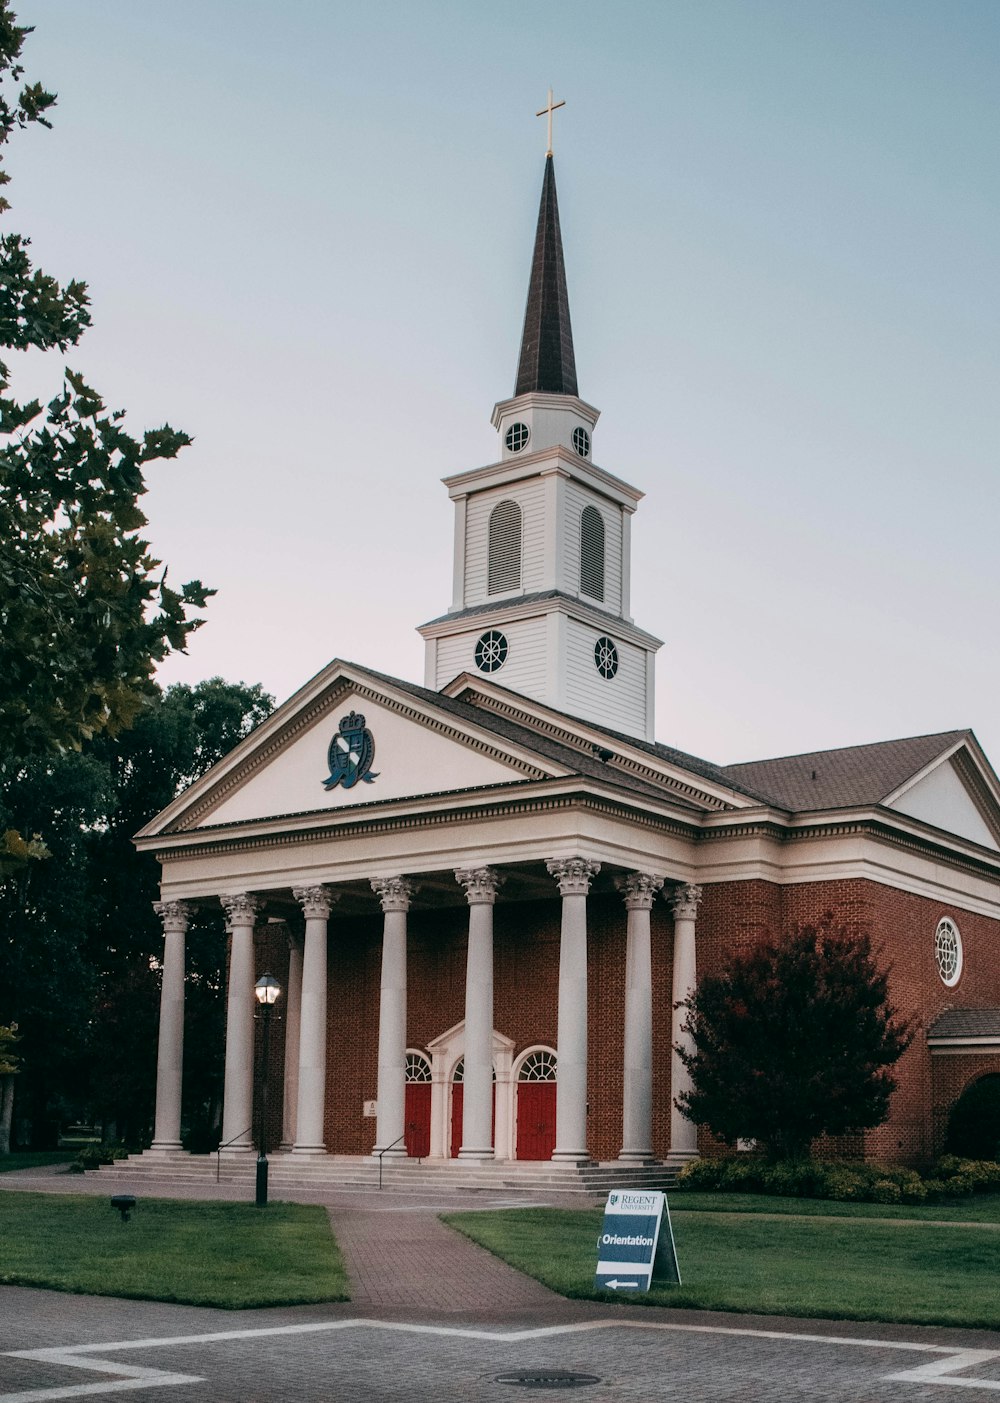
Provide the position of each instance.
(266, 992)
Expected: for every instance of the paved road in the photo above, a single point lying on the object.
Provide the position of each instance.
(434, 1317)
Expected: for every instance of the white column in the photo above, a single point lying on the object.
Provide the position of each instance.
(480, 885)
(237, 1104)
(683, 1133)
(170, 1047)
(638, 890)
(574, 875)
(316, 903)
(394, 893)
(293, 1012)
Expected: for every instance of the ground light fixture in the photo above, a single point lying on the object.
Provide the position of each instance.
(266, 991)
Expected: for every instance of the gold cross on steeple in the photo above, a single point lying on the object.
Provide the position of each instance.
(549, 108)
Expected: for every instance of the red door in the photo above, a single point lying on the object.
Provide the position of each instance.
(536, 1119)
(457, 1102)
(417, 1115)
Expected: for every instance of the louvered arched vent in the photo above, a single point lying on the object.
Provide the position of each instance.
(505, 548)
(592, 553)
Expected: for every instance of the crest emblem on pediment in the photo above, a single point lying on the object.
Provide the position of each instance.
(351, 754)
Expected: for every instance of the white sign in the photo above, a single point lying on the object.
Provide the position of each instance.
(636, 1245)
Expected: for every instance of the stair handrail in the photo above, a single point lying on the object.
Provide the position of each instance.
(385, 1150)
(220, 1148)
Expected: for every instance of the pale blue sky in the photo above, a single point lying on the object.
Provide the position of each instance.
(307, 231)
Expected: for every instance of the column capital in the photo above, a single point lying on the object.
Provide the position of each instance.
(316, 902)
(175, 915)
(394, 893)
(684, 901)
(481, 884)
(241, 908)
(638, 890)
(574, 874)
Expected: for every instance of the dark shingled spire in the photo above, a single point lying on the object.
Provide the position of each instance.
(547, 362)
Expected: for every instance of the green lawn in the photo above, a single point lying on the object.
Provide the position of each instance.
(977, 1208)
(854, 1270)
(207, 1254)
(33, 1159)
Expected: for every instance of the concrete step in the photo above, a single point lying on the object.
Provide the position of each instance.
(336, 1172)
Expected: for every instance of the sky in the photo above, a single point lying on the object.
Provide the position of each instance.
(307, 233)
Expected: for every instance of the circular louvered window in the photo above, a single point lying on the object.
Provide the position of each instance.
(948, 952)
(418, 1069)
(581, 442)
(491, 651)
(538, 1066)
(606, 657)
(517, 437)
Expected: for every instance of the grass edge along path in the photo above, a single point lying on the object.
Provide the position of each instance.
(749, 1264)
(230, 1255)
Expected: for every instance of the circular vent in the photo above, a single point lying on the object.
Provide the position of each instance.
(606, 657)
(491, 651)
(948, 952)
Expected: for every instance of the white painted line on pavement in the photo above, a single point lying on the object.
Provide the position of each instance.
(941, 1370)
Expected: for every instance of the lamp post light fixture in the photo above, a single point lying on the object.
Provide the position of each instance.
(266, 992)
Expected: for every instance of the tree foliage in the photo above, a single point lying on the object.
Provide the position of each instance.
(80, 944)
(794, 1039)
(85, 611)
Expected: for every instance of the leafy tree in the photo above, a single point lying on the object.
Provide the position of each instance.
(85, 613)
(80, 944)
(794, 1039)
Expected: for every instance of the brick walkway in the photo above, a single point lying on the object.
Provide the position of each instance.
(409, 1259)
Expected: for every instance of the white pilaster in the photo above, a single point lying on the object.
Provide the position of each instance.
(293, 1017)
(480, 885)
(237, 1104)
(574, 875)
(170, 1046)
(638, 890)
(316, 903)
(683, 1133)
(394, 893)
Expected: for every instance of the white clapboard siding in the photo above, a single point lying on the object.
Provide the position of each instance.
(530, 497)
(525, 668)
(576, 498)
(619, 701)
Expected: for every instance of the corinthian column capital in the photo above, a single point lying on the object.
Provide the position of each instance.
(175, 915)
(316, 902)
(481, 884)
(241, 909)
(684, 900)
(638, 890)
(394, 893)
(574, 874)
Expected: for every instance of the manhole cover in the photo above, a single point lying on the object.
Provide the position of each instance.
(547, 1378)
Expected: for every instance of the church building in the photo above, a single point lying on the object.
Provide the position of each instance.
(485, 895)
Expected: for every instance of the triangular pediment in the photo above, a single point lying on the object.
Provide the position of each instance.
(957, 793)
(345, 741)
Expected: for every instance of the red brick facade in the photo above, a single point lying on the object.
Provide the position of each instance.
(732, 916)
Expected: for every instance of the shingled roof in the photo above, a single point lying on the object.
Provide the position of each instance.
(966, 1023)
(834, 779)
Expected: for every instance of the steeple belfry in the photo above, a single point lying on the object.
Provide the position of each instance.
(540, 602)
(547, 363)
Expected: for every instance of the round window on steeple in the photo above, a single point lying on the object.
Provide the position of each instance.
(491, 651)
(517, 437)
(606, 657)
(581, 442)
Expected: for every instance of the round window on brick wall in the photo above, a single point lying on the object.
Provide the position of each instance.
(948, 952)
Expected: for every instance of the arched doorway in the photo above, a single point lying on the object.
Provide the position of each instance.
(417, 1105)
(457, 1104)
(536, 1105)
(974, 1120)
